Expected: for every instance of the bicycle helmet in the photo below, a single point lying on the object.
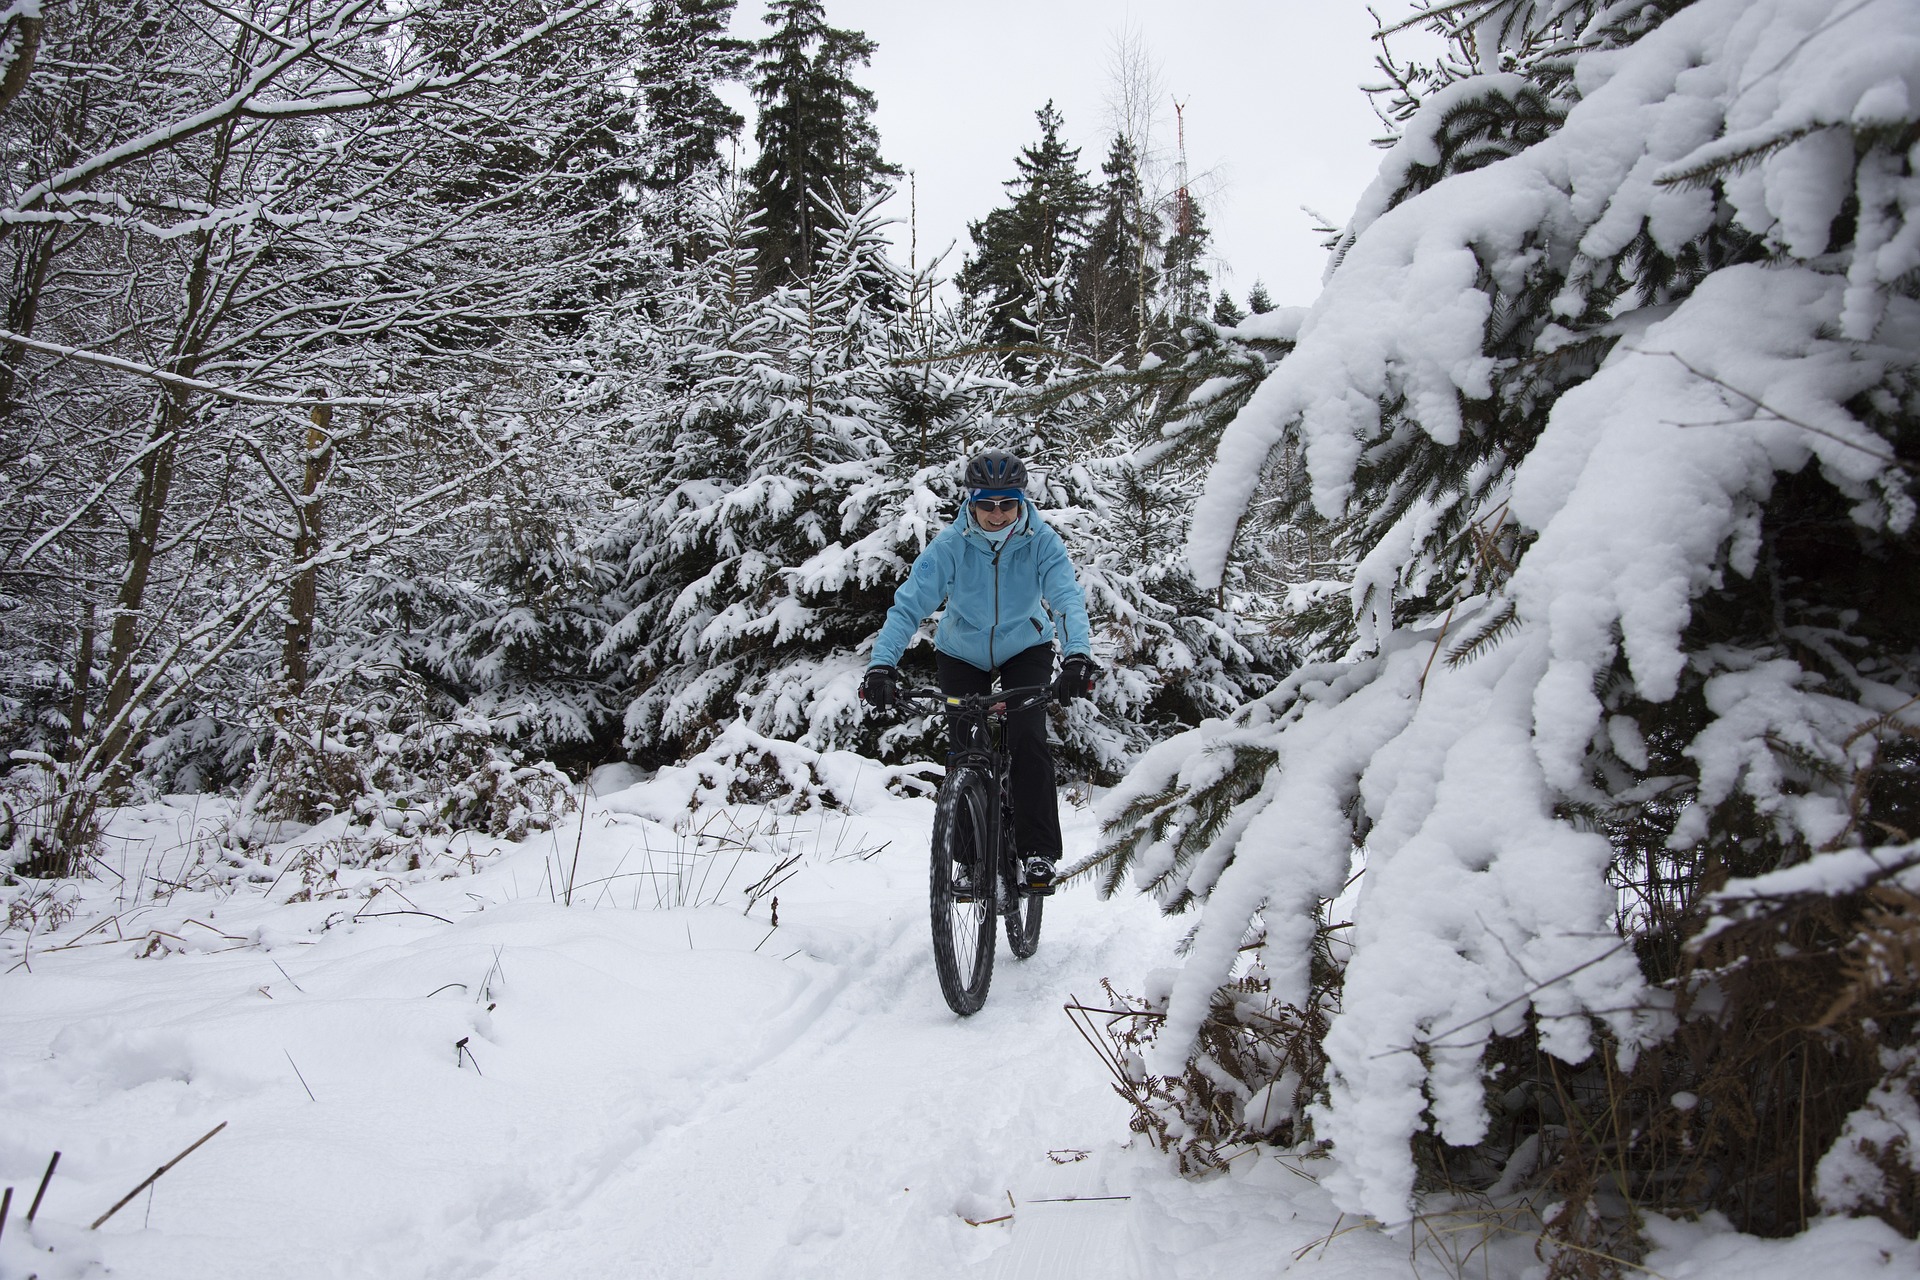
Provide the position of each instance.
(996, 469)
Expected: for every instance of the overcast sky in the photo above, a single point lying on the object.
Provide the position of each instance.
(1275, 118)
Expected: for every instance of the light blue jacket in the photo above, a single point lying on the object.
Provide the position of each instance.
(999, 600)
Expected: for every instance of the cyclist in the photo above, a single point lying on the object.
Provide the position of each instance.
(1004, 576)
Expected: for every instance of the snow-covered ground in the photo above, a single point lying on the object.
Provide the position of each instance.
(654, 1081)
(449, 1070)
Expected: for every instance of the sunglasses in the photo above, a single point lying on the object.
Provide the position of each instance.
(996, 506)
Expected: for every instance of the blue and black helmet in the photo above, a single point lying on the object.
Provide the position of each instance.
(996, 469)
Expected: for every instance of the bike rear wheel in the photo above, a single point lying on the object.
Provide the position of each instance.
(1021, 910)
(962, 929)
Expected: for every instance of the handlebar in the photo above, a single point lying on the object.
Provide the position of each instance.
(1017, 699)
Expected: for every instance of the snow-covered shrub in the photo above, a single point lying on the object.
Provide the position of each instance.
(30, 840)
(1875, 1166)
(379, 759)
(40, 905)
(1256, 1067)
(1613, 416)
(744, 766)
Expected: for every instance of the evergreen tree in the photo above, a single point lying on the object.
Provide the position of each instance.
(1116, 283)
(1122, 454)
(684, 52)
(676, 436)
(1184, 280)
(751, 585)
(1226, 312)
(1258, 302)
(1023, 249)
(1623, 679)
(815, 132)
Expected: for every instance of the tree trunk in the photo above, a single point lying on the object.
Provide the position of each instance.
(303, 599)
(26, 33)
(156, 484)
(82, 680)
(143, 542)
(23, 305)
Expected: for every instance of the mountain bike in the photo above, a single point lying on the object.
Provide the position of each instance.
(973, 831)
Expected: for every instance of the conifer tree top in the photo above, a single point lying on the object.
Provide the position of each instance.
(1024, 248)
(815, 132)
(685, 50)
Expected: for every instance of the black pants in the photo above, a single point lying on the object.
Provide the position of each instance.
(1036, 802)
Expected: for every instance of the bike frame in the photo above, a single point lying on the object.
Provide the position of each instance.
(986, 751)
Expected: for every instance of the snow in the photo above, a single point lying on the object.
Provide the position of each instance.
(1417, 146)
(1849, 1177)
(651, 1081)
(448, 1071)
(1706, 1250)
(1282, 324)
(1833, 874)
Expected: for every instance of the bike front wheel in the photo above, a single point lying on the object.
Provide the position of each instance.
(962, 922)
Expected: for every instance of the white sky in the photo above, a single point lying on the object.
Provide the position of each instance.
(1273, 109)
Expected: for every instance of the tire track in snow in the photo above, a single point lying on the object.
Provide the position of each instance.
(789, 1165)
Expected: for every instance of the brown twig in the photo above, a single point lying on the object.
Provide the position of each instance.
(381, 915)
(39, 1195)
(1074, 1199)
(578, 838)
(298, 1076)
(1524, 996)
(1438, 641)
(1888, 457)
(154, 1177)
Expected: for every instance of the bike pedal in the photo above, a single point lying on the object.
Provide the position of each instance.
(1039, 877)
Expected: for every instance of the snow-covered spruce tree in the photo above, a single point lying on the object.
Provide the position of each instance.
(1022, 249)
(677, 441)
(816, 136)
(1611, 396)
(1076, 414)
(1116, 284)
(1183, 263)
(811, 461)
(1120, 455)
(685, 53)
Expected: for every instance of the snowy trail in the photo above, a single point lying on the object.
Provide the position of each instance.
(891, 1116)
(659, 1097)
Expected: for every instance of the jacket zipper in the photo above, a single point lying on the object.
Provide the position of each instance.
(992, 666)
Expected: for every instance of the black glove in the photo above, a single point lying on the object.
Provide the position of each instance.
(882, 687)
(1076, 678)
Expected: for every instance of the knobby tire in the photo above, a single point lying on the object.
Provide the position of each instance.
(963, 939)
(1022, 909)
